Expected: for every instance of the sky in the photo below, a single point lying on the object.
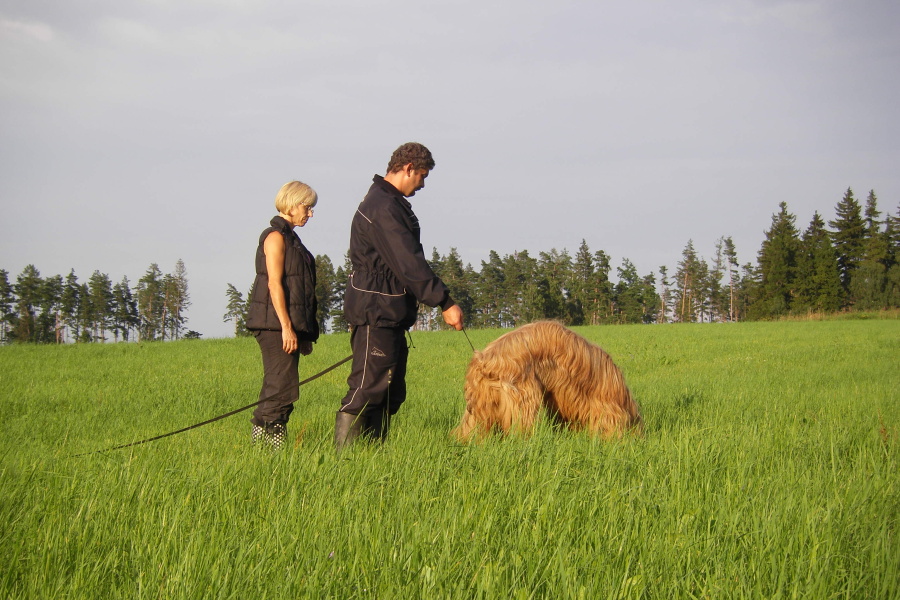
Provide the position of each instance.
(139, 132)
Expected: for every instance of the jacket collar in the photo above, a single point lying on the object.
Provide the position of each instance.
(281, 224)
(390, 189)
(383, 184)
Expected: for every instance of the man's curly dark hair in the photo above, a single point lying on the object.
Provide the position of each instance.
(411, 152)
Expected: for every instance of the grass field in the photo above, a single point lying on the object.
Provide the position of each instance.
(768, 469)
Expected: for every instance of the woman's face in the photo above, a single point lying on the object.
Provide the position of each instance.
(300, 214)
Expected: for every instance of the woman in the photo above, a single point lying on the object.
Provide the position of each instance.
(282, 312)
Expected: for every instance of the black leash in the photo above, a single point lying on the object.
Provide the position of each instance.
(468, 340)
(214, 419)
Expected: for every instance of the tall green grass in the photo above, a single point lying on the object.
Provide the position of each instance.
(769, 469)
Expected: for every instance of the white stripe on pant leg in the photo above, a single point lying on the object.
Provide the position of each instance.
(365, 371)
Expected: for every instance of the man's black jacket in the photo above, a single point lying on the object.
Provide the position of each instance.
(390, 274)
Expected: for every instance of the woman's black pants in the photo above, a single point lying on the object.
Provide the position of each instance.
(281, 380)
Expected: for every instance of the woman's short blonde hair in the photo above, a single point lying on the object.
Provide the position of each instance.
(293, 193)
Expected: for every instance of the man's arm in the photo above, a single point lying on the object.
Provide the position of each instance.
(399, 249)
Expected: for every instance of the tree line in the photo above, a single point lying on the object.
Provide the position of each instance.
(57, 310)
(852, 264)
(849, 263)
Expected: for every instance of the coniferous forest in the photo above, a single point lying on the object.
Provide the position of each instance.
(55, 310)
(849, 263)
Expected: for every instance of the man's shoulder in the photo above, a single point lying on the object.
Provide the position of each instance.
(379, 202)
(380, 190)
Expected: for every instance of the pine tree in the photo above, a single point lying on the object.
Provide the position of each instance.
(522, 289)
(732, 263)
(892, 278)
(702, 291)
(869, 281)
(663, 314)
(818, 279)
(85, 316)
(688, 295)
(555, 270)
(71, 298)
(436, 262)
(28, 293)
(7, 302)
(236, 311)
(458, 281)
(626, 294)
(718, 304)
(176, 300)
(892, 236)
(489, 296)
(513, 291)
(150, 301)
(183, 299)
(746, 290)
(777, 265)
(125, 316)
(101, 300)
(847, 237)
(472, 281)
(325, 295)
(650, 299)
(49, 323)
(341, 278)
(600, 295)
(579, 284)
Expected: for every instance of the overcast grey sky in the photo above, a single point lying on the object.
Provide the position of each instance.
(140, 132)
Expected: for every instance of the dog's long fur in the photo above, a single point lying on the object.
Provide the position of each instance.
(545, 364)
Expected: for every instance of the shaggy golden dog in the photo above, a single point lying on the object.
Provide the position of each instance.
(543, 364)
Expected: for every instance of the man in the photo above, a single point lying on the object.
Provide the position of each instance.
(389, 277)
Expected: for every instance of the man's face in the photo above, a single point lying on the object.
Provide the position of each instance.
(414, 181)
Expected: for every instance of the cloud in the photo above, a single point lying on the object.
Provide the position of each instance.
(805, 16)
(40, 32)
(635, 126)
